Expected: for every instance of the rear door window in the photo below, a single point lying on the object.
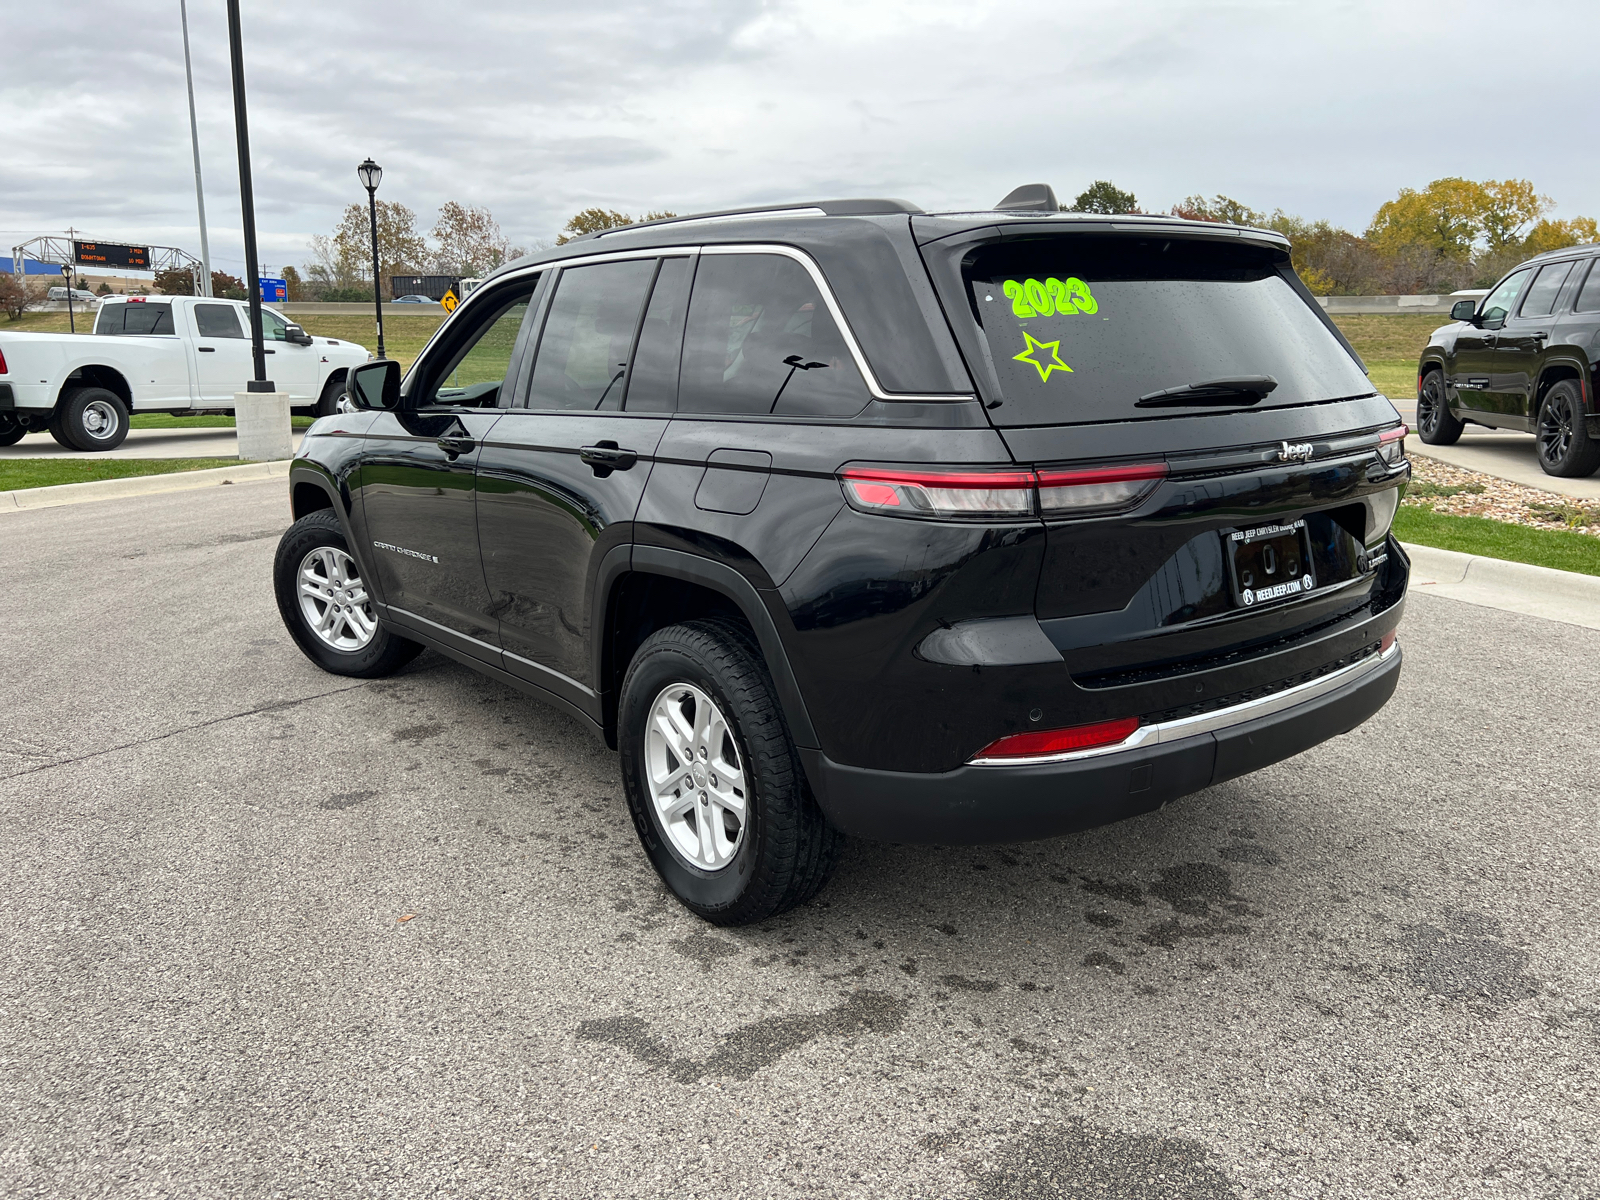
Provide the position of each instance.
(760, 340)
(1080, 327)
(1541, 298)
(1589, 297)
(582, 358)
(218, 321)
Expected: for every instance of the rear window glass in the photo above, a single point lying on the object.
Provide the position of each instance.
(1589, 297)
(134, 319)
(1079, 328)
(217, 321)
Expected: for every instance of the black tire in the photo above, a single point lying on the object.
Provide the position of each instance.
(90, 419)
(12, 430)
(384, 654)
(1436, 424)
(328, 403)
(1565, 448)
(788, 850)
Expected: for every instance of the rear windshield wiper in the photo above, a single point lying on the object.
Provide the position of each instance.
(1242, 390)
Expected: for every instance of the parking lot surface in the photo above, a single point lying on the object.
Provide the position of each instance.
(141, 443)
(269, 932)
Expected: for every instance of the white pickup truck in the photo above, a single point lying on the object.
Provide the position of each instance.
(172, 354)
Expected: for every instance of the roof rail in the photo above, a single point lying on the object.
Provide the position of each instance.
(808, 208)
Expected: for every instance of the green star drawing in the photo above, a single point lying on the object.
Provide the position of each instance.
(1054, 362)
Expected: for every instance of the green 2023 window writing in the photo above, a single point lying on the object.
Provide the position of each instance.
(1049, 297)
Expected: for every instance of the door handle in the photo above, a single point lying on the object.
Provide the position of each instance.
(269, 351)
(607, 457)
(453, 446)
(1540, 336)
(208, 349)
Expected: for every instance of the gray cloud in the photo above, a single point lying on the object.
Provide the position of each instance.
(539, 109)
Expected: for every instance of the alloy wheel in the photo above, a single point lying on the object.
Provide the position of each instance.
(1555, 430)
(334, 601)
(696, 777)
(100, 420)
(1430, 403)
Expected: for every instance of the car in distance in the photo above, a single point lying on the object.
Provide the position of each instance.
(1522, 358)
(173, 354)
(415, 300)
(846, 518)
(79, 295)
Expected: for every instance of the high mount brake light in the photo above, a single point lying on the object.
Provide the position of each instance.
(1060, 741)
(1099, 487)
(999, 493)
(940, 493)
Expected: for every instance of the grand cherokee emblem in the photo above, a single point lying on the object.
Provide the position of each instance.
(1295, 451)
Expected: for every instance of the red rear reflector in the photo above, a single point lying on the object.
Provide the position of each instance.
(1059, 741)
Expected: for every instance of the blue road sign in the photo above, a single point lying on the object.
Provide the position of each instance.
(274, 291)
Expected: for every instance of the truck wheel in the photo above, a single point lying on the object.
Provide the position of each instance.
(91, 419)
(1436, 426)
(1565, 447)
(712, 778)
(325, 606)
(328, 403)
(12, 431)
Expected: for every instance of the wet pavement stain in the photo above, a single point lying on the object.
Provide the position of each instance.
(1080, 1161)
(1468, 959)
(961, 983)
(1101, 959)
(751, 1047)
(1191, 889)
(704, 950)
(345, 800)
(417, 734)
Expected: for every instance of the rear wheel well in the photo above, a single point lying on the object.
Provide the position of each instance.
(641, 603)
(1551, 377)
(308, 498)
(101, 377)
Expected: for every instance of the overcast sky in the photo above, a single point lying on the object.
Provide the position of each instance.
(539, 109)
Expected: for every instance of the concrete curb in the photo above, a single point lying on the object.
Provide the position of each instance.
(1509, 586)
(139, 485)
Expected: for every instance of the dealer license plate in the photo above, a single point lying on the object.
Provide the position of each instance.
(1270, 562)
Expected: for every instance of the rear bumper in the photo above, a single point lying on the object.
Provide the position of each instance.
(1016, 802)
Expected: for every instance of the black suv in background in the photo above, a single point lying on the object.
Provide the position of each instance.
(1523, 359)
(850, 518)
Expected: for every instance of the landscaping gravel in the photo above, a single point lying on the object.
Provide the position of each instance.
(1462, 493)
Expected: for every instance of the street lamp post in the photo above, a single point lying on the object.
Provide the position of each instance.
(370, 174)
(66, 278)
(194, 140)
(247, 203)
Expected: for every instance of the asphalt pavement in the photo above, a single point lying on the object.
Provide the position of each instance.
(270, 933)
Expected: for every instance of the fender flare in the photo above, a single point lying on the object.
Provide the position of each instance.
(723, 579)
(304, 472)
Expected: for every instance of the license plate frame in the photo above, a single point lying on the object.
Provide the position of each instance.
(1252, 550)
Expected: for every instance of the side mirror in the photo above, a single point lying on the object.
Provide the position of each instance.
(293, 333)
(375, 386)
(1463, 310)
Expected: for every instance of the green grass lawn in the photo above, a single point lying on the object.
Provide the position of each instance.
(214, 421)
(1390, 346)
(16, 473)
(1497, 539)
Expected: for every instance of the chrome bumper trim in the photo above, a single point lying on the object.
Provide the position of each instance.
(1222, 718)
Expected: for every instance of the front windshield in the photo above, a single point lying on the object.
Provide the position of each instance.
(1079, 327)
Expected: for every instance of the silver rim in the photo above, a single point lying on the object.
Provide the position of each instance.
(333, 600)
(100, 420)
(697, 781)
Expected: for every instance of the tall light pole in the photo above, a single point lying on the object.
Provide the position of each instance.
(247, 203)
(370, 174)
(194, 139)
(66, 278)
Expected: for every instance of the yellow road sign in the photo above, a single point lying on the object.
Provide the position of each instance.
(449, 300)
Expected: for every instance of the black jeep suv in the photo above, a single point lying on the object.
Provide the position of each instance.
(847, 518)
(1524, 359)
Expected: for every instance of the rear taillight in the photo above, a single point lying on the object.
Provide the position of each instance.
(1099, 487)
(1059, 741)
(4, 370)
(940, 493)
(1392, 445)
(985, 494)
